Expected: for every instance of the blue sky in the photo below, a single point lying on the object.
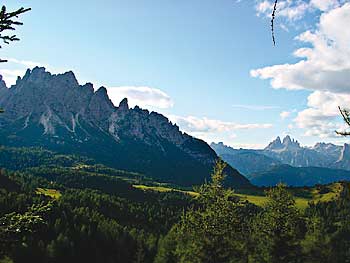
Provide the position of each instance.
(193, 61)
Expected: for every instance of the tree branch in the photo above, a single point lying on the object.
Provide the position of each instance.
(346, 117)
(273, 21)
(8, 22)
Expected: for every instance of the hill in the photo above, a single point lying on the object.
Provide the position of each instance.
(298, 176)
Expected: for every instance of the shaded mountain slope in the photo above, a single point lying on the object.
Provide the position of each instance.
(55, 112)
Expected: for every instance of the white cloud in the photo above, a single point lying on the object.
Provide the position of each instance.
(324, 5)
(325, 65)
(324, 69)
(290, 9)
(322, 117)
(26, 63)
(211, 130)
(14, 68)
(194, 124)
(10, 75)
(285, 114)
(141, 96)
(17, 67)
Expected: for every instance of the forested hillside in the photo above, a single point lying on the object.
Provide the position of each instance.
(89, 213)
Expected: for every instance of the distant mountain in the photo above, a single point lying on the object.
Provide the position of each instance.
(298, 176)
(55, 112)
(343, 161)
(286, 161)
(245, 161)
(330, 149)
(288, 151)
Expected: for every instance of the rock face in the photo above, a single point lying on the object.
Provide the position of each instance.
(275, 144)
(345, 153)
(344, 159)
(290, 152)
(3, 88)
(55, 112)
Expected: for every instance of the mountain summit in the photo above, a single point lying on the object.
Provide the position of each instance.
(287, 143)
(55, 112)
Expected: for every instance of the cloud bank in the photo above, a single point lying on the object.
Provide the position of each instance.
(323, 68)
(212, 129)
(293, 10)
(196, 124)
(141, 96)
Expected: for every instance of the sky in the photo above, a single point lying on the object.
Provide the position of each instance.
(209, 66)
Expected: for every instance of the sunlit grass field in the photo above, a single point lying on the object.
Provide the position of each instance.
(55, 194)
(164, 189)
(260, 200)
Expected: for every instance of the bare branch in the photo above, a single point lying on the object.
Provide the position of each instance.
(272, 22)
(346, 117)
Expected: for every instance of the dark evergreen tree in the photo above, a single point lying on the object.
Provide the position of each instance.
(217, 230)
(277, 230)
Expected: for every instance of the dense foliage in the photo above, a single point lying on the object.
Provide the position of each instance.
(99, 216)
(224, 229)
(83, 224)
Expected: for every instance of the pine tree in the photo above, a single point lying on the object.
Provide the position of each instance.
(277, 229)
(216, 231)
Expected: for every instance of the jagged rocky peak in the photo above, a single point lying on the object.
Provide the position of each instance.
(275, 144)
(322, 146)
(345, 153)
(220, 145)
(220, 148)
(89, 86)
(43, 80)
(2, 83)
(123, 105)
(102, 92)
(67, 78)
(288, 142)
(37, 74)
(100, 106)
(101, 97)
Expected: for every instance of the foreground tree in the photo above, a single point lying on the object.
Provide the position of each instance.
(15, 227)
(8, 22)
(278, 229)
(214, 232)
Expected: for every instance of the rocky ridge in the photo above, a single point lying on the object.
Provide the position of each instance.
(56, 112)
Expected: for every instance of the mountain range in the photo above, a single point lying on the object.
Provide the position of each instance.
(285, 155)
(298, 176)
(57, 113)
